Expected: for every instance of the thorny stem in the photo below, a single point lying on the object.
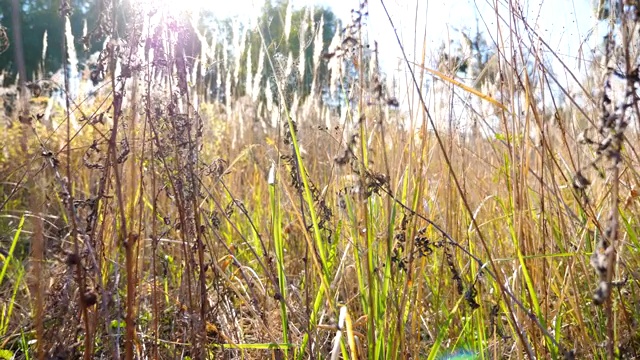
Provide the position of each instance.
(122, 236)
(154, 214)
(613, 225)
(68, 193)
(193, 156)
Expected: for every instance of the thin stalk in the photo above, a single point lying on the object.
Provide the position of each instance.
(278, 241)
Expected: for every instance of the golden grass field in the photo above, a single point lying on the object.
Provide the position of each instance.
(478, 219)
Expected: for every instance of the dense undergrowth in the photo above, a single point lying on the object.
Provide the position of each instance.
(142, 222)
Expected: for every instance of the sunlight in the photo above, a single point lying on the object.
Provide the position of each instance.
(219, 8)
(171, 6)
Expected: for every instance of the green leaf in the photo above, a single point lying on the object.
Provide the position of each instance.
(6, 354)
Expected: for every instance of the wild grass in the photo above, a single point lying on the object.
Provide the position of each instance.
(162, 223)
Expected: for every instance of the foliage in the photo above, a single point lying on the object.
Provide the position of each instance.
(269, 34)
(38, 17)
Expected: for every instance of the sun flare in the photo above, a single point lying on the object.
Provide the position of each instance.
(174, 7)
(177, 7)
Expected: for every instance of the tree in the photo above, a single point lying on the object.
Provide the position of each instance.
(270, 29)
(603, 9)
(299, 43)
(38, 17)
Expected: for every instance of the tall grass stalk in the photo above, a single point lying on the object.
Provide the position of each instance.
(278, 243)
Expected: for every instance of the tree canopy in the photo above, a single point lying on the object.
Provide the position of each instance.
(268, 38)
(43, 16)
(36, 18)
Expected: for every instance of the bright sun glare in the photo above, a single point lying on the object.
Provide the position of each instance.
(219, 8)
(172, 6)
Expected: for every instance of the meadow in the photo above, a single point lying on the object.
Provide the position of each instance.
(176, 197)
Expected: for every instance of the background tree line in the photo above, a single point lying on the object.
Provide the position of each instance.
(43, 16)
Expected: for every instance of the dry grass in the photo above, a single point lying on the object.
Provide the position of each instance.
(150, 221)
